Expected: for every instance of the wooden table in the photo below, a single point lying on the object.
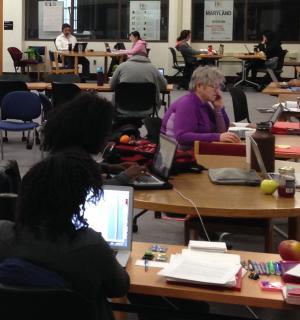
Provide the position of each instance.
(87, 54)
(293, 63)
(273, 90)
(214, 57)
(220, 200)
(297, 71)
(150, 283)
(247, 57)
(42, 86)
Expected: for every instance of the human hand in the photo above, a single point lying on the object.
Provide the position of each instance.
(135, 171)
(229, 137)
(218, 103)
(294, 83)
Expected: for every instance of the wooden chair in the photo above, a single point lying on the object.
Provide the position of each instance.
(56, 64)
(229, 225)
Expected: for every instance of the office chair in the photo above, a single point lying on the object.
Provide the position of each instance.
(47, 106)
(20, 105)
(10, 180)
(177, 66)
(63, 92)
(19, 62)
(240, 105)
(135, 101)
(153, 126)
(7, 86)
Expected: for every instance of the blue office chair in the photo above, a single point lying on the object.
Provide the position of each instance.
(19, 105)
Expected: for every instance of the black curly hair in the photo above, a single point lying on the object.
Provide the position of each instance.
(53, 194)
(85, 122)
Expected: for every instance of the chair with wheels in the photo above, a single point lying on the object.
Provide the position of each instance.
(177, 66)
(240, 105)
(19, 62)
(63, 92)
(135, 101)
(20, 105)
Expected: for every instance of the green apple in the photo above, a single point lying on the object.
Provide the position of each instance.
(268, 186)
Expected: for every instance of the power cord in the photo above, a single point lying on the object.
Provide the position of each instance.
(195, 207)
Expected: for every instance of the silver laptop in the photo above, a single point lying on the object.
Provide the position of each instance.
(162, 164)
(261, 164)
(274, 117)
(112, 216)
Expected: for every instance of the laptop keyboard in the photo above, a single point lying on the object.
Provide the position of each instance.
(146, 179)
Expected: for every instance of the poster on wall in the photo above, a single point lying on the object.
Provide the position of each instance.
(51, 18)
(145, 18)
(218, 20)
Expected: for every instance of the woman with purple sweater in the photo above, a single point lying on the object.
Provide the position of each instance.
(200, 115)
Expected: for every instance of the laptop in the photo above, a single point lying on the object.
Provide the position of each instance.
(274, 117)
(159, 172)
(262, 167)
(107, 47)
(83, 46)
(249, 52)
(112, 216)
(161, 71)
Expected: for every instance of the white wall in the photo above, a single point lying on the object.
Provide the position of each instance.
(12, 11)
(179, 18)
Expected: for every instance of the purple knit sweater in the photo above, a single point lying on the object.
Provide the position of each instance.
(189, 119)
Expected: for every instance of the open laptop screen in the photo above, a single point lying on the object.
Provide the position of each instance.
(164, 156)
(112, 216)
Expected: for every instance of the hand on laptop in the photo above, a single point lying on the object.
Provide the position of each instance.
(135, 171)
(229, 137)
(294, 83)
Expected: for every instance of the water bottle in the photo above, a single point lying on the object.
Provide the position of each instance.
(266, 144)
(100, 76)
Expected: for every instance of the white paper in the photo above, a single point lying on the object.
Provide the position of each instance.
(208, 246)
(295, 271)
(151, 264)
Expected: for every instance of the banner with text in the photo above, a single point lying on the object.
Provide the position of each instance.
(218, 20)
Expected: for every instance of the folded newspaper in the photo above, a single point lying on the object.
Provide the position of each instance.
(208, 246)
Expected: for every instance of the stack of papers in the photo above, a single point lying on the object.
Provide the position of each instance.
(288, 106)
(291, 293)
(196, 267)
(208, 246)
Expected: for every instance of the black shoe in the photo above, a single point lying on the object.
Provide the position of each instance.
(239, 74)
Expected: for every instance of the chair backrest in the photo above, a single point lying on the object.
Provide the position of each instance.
(30, 303)
(46, 106)
(15, 54)
(173, 52)
(153, 126)
(15, 77)
(63, 92)
(63, 78)
(10, 86)
(21, 105)
(240, 105)
(220, 148)
(135, 97)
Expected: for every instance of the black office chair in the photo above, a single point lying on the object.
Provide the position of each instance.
(47, 106)
(177, 66)
(63, 92)
(135, 101)
(35, 304)
(240, 105)
(153, 126)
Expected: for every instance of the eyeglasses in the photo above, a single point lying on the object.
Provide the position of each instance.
(218, 86)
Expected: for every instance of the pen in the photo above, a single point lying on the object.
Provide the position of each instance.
(277, 269)
(256, 268)
(250, 266)
(271, 267)
(267, 269)
(263, 267)
(146, 265)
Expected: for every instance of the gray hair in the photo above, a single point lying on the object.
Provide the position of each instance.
(207, 76)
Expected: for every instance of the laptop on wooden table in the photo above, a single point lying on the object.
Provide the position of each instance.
(112, 215)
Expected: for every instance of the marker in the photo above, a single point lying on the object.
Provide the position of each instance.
(256, 267)
(244, 264)
(277, 269)
(271, 267)
(267, 269)
(263, 267)
(146, 265)
(250, 266)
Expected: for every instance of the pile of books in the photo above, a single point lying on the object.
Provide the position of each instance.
(204, 268)
(291, 276)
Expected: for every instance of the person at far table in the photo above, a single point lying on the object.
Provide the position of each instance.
(199, 115)
(139, 46)
(62, 43)
(294, 83)
(50, 230)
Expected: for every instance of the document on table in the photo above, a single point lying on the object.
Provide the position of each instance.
(203, 267)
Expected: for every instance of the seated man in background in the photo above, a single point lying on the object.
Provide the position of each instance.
(62, 43)
(139, 69)
(199, 115)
